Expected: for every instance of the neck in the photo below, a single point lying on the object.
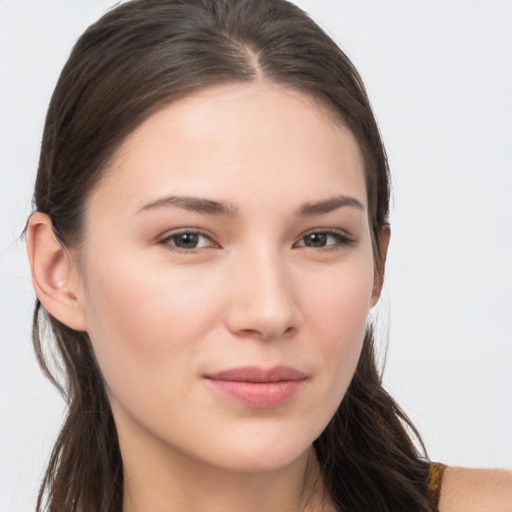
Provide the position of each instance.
(165, 484)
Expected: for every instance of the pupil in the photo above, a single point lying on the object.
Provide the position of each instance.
(317, 239)
(187, 240)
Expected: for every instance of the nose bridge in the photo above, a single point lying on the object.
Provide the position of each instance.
(263, 301)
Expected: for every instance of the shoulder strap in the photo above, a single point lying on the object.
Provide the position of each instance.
(436, 472)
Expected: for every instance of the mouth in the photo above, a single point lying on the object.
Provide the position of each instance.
(258, 388)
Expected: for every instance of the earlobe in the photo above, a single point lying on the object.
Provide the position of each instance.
(378, 280)
(54, 277)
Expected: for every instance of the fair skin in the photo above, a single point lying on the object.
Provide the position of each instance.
(231, 230)
(476, 490)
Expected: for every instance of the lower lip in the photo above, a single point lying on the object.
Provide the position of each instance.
(258, 395)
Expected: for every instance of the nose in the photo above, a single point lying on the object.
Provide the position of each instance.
(261, 298)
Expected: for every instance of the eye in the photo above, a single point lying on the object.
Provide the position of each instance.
(325, 240)
(187, 240)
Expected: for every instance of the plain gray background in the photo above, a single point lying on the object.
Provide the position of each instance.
(439, 77)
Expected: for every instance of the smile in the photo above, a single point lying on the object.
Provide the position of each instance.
(258, 388)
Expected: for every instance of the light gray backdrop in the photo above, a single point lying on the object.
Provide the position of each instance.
(439, 77)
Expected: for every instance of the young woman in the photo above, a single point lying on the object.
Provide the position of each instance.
(210, 236)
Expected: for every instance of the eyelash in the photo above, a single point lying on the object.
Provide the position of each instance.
(340, 237)
(173, 236)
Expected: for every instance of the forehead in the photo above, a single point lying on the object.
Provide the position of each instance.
(234, 142)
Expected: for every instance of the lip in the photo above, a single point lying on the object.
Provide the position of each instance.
(258, 388)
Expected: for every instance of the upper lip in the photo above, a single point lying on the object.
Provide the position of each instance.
(256, 374)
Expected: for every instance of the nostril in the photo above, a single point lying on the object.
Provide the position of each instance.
(270, 336)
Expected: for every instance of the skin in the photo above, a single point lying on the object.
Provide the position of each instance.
(476, 490)
(250, 294)
(254, 291)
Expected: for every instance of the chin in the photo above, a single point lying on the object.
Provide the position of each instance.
(265, 460)
(261, 450)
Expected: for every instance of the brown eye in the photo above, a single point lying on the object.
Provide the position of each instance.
(187, 241)
(325, 239)
(315, 240)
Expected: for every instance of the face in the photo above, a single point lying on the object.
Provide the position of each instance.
(228, 275)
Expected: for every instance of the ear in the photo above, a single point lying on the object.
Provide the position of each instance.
(378, 280)
(54, 274)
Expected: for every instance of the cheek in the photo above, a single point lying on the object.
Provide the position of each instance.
(340, 300)
(145, 326)
(338, 314)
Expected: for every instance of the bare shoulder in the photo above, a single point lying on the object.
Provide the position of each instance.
(476, 490)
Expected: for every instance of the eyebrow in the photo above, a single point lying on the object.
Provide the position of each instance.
(226, 209)
(329, 205)
(195, 204)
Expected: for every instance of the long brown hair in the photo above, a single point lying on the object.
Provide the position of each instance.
(136, 59)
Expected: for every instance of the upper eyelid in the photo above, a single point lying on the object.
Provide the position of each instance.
(325, 230)
(180, 231)
(328, 231)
